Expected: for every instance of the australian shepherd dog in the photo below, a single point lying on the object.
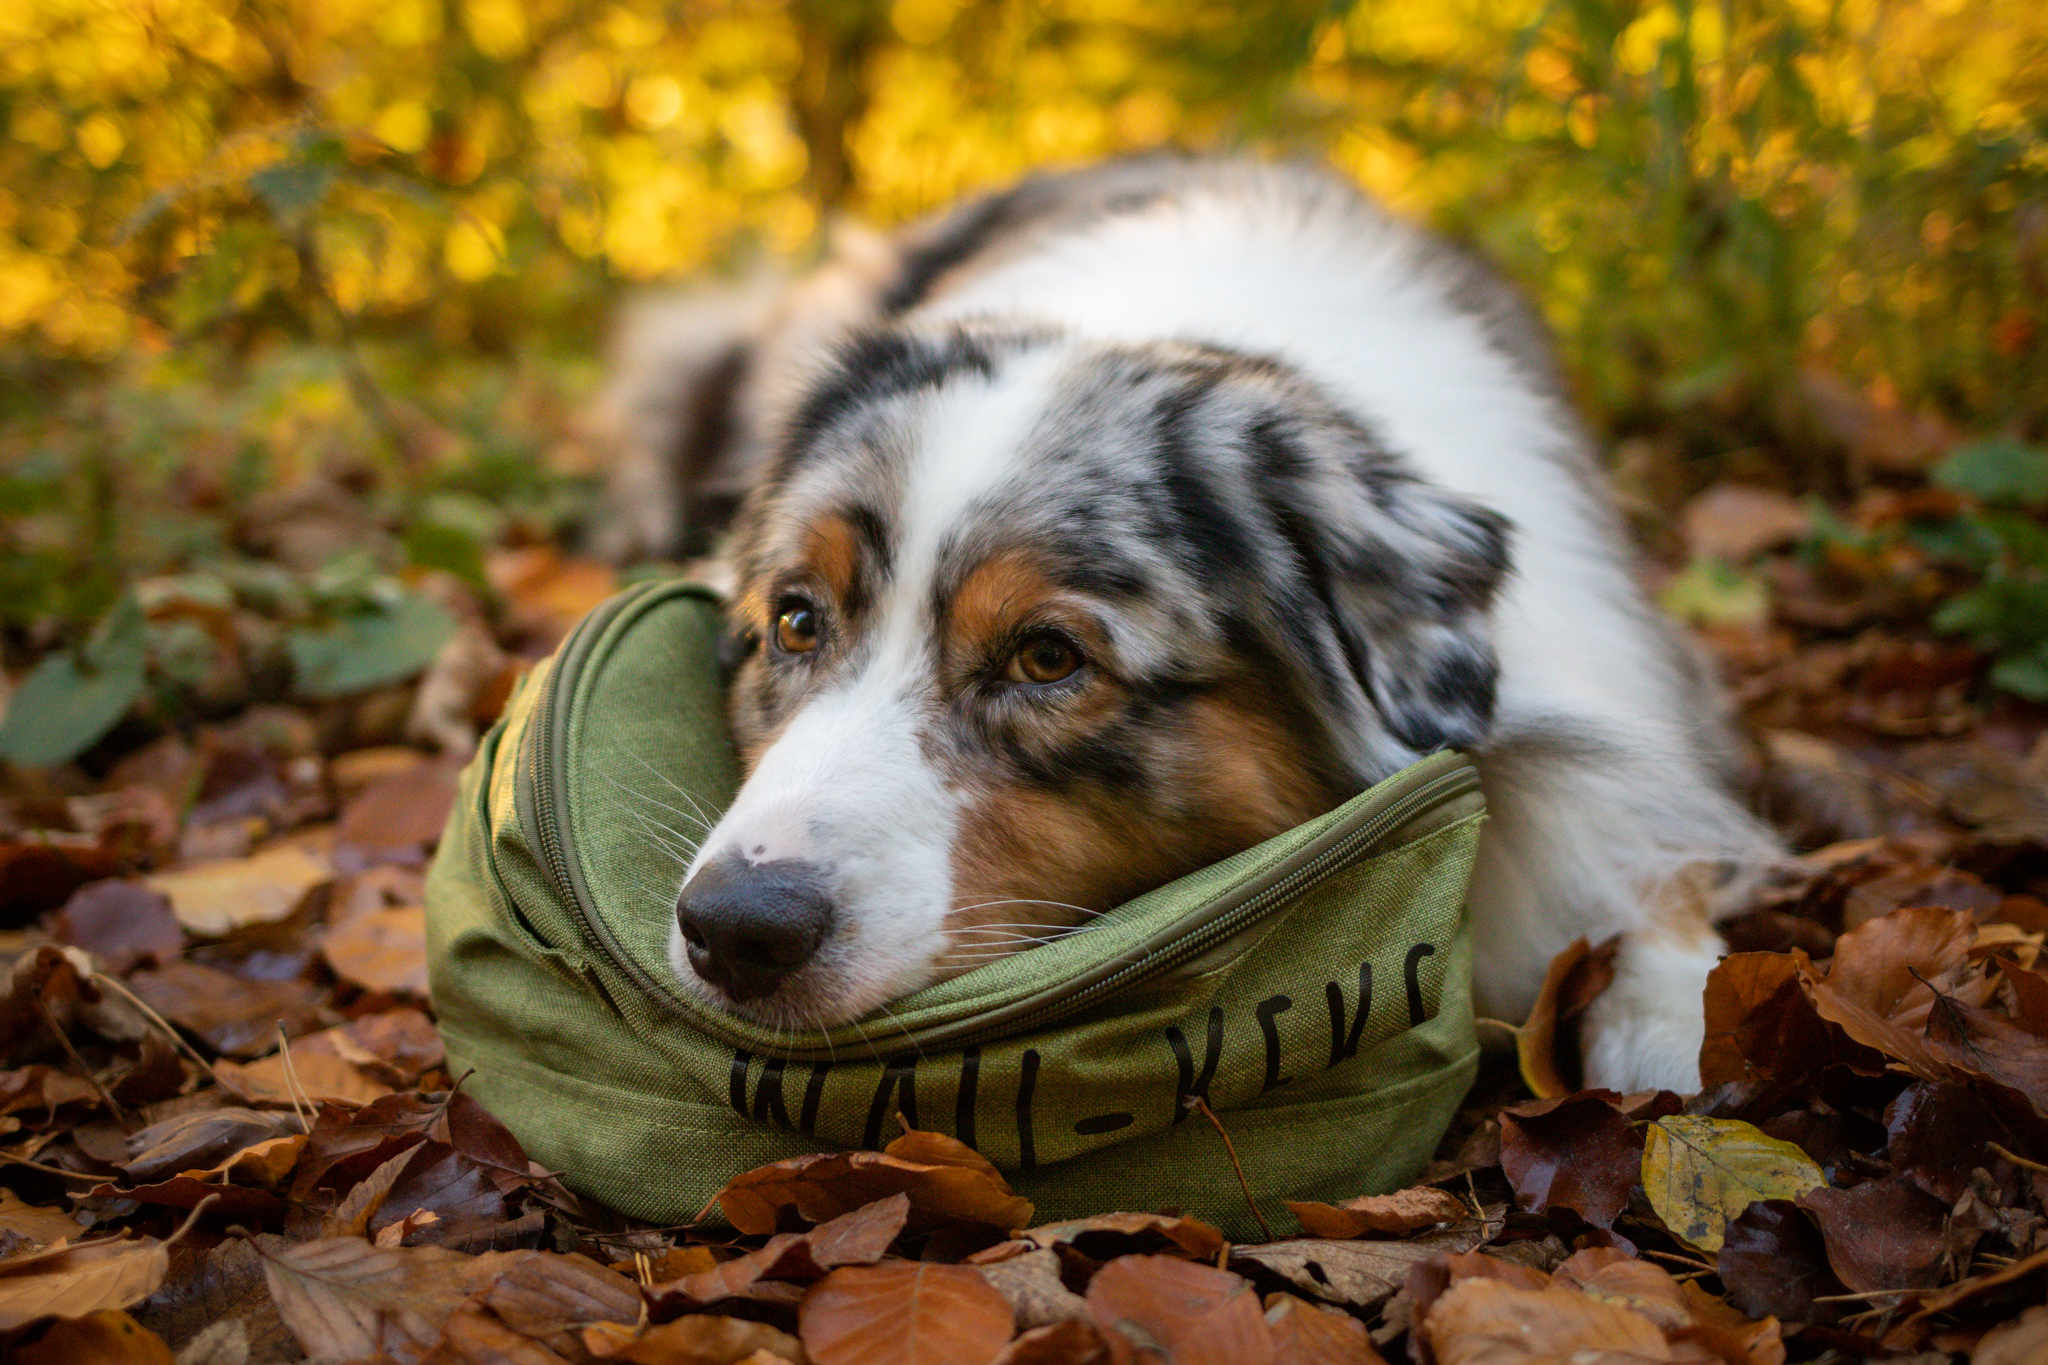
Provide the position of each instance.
(1111, 524)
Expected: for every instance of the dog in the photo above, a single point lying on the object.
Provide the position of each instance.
(1115, 522)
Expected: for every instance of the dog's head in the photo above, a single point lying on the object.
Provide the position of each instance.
(1028, 625)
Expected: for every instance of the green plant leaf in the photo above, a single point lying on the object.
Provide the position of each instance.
(292, 188)
(435, 545)
(67, 703)
(2024, 675)
(1711, 593)
(1998, 469)
(368, 649)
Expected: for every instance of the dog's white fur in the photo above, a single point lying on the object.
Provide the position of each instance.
(1601, 774)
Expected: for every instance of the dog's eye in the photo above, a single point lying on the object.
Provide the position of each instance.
(1044, 657)
(796, 629)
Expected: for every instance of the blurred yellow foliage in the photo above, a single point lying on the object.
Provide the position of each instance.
(1757, 171)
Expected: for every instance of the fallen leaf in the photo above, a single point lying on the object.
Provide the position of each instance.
(25, 1226)
(1575, 978)
(83, 1277)
(943, 1187)
(31, 1088)
(223, 1295)
(705, 1339)
(158, 1074)
(404, 1040)
(1577, 1153)
(857, 1238)
(211, 899)
(1187, 1312)
(106, 1337)
(1487, 1322)
(345, 1299)
(381, 950)
(546, 1296)
(235, 1016)
(1381, 1215)
(1883, 1234)
(1072, 1342)
(2023, 1341)
(1305, 1334)
(397, 818)
(197, 1141)
(311, 1074)
(903, 1313)
(120, 922)
(1734, 522)
(1037, 1294)
(474, 1337)
(1940, 1132)
(1116, 1234)
(1760, 1024)
(1700, 1173)
(230, 1203)
(1359, 1275)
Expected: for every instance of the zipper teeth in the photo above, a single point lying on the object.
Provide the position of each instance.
(1345, 850)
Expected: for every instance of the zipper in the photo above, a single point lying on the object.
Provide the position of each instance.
(545, 792)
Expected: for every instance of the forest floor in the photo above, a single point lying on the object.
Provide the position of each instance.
(230, 1134)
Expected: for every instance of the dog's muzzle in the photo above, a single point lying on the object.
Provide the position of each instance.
(748, 926)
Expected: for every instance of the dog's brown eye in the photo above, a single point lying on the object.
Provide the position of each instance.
(796, 630)
(1043, 658)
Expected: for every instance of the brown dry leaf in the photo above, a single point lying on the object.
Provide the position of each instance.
(80, 1278)
(381, 950)
(1577, 1153)
(211, 899)
(1032, 1283)
(1774, 1264)
(1883, 1234)
(1357, 1274)
(402, 1041)
(2023, 1341)
(1115, 1234)
(261, 1165)
(230, 1203)
(1734, 522)
(1700, 1173)
(119, 922)
(1305, 1334)
(313, 1074)
(351, 1217)
(1576, 977)
(397, 817)
(1187, 1312)
(158, 1074)
(25, 1226)
(547, 1296)
(234, 1015)
(38, 1087)
(1072, 1342)
(705, 1339)
(1381, 1215)
(546, 591)
(903, 1313)
(1760, 1024)
(107, 1337)
(345, 1299)
(473, 1337)
(201, 1140)
(858, 1238)
(943, 1184)
(1487, 1322)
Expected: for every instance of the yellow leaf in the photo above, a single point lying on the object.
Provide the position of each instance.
(1700, 1174)
(211, 899)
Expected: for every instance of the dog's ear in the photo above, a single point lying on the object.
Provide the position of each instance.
(1404, 574)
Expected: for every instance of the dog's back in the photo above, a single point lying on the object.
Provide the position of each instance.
(1600, 746)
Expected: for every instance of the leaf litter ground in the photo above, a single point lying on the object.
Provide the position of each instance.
(231, 1136)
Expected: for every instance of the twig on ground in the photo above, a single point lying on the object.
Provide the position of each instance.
(1201, 1106)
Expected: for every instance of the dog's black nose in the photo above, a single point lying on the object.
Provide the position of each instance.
(749, 925)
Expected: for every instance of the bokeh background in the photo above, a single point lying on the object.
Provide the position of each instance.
(300, 299)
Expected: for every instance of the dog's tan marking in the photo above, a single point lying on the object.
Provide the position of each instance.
(1236, 774)
(832, 552)
(994, 598)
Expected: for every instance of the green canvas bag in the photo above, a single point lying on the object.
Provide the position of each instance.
(1314, 990)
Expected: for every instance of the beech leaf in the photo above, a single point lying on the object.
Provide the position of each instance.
(903, 1313)
(1702, 1173)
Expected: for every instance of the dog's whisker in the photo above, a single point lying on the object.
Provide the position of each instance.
(694, 816)
(677, 788)
(989, 905)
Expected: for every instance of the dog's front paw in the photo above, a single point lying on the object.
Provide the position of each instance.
(1644, 1031)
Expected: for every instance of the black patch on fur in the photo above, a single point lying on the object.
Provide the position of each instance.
(877, 365)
